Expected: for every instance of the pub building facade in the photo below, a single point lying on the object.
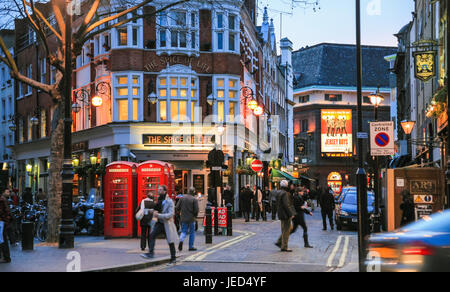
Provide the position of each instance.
(171, 90)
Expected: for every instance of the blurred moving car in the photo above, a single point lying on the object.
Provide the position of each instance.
(338, 198)
(347, 208)
(423, 246)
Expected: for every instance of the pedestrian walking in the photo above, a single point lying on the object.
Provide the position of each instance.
(212, 196)
(273, 197)
(286, 213)
(5, 219)
(164, 212)
(188, 208)
(147, 206)
(246, 202)
(407, 207)
(300, 206)
(327, 207)
(257, 198)
(41, 196)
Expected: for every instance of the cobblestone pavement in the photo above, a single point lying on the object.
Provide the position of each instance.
(254, 250)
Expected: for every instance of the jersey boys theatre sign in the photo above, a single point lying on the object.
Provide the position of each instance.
(336, 133)
(177, 140)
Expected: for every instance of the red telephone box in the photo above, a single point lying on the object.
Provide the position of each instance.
(120, 199)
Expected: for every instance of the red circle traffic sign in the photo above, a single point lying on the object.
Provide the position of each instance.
(382, 139)
(257, 165)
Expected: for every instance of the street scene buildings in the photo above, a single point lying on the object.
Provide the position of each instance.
(127, 126)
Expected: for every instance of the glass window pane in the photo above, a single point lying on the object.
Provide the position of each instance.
(123, 36)
(123, 109)
(193, 93)
(162, 38)
(135, 36)
(183, 110)
(183, 81)
(232, 83)
(162, 81)
(220, 83)
(193, 22)
(173, 81)
(220, 111)
(219, 20)
(183, 40)
(231, 42)
(135, 79)
(220, 41)
(174, 110)
(174, 39)
(183, 93)
(193, 82)
(123, 91)
(220, 93)
(163, 110)
(122, 80)
(135, 91)
(193, 111)
(163, 93)
(193, 40)
(232, 94)
(232, 111)
(231, 22)
(135, 109)
(173, 93)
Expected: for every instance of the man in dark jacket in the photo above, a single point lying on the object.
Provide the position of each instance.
(27, 196)
(5, 217)
(327, 207)
(228, 196)
(188, 207)
(273, 197)
(246, 203)
(286, 213)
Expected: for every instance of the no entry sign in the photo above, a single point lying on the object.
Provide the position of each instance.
(382, 139)
(257, 166)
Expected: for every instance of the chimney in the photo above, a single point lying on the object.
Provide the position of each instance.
(286, 47)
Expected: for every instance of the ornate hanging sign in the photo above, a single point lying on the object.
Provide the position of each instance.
(425, 66)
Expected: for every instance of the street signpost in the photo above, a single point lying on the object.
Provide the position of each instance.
(257, 166)
(382, 139)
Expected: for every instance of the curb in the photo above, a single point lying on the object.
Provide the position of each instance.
(130, 267)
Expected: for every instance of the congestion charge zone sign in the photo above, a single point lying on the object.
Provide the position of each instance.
(382, 139)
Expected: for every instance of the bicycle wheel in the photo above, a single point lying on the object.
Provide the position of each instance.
(42, 232)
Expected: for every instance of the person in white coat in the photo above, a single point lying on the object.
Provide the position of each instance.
(164, 213)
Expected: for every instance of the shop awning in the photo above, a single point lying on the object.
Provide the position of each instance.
(278, 175)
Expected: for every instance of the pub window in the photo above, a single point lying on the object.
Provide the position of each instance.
(129, 34)
(128, 92)
(333, 97)
(226, 32)
(178, 98)
(178, 30)
(227, 95)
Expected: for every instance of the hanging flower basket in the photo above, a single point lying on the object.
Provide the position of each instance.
(438, 105)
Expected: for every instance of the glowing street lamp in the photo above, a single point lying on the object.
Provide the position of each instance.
(408, 126)
(258, 111)
(97, 101)
(376, 98)
(252, 105)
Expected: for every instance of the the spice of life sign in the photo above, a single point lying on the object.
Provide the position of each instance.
(382, 139)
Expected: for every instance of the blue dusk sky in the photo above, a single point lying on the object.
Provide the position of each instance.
(335, 21)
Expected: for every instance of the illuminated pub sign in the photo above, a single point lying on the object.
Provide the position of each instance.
(425, 67)
(191, 140)
(335, 181)
(336, 133)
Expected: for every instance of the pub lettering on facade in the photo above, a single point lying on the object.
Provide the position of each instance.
(178, 139)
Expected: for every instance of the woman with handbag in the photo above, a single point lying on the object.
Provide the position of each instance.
(144, 215)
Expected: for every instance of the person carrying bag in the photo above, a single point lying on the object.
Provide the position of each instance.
(144, 215)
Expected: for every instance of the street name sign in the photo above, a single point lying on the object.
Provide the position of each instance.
(382, 139)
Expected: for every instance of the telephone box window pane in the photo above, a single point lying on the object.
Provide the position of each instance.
(123, 109)
(119, 225)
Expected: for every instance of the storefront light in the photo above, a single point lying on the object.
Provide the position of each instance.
(93, 159)
(97, 101)
(29, 167)
(152, 98)
(75, 162)
(258, 111)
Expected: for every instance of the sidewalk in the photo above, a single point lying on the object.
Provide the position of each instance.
(98, 254)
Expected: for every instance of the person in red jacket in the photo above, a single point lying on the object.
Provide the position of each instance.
(5, 217)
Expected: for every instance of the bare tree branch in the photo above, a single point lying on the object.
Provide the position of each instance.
(41, 17)
(59, 19)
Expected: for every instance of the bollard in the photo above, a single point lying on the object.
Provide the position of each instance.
(208, 227)
(229, 220)
(216, 221)
(27, 236)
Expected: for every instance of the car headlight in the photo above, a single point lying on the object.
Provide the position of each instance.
(343, 213)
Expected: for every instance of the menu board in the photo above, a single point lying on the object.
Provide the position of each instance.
(199, 183)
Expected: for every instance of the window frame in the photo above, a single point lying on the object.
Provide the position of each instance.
(130, 96)
(226, 99)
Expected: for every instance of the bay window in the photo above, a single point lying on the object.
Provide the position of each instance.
(226, 90)
(129, 35)
(226, 32)
(128, 97)
(178, 98)
(178, 31)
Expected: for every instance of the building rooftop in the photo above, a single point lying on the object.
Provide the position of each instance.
(334, 65)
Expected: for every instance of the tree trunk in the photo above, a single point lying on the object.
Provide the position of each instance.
(55, 182)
